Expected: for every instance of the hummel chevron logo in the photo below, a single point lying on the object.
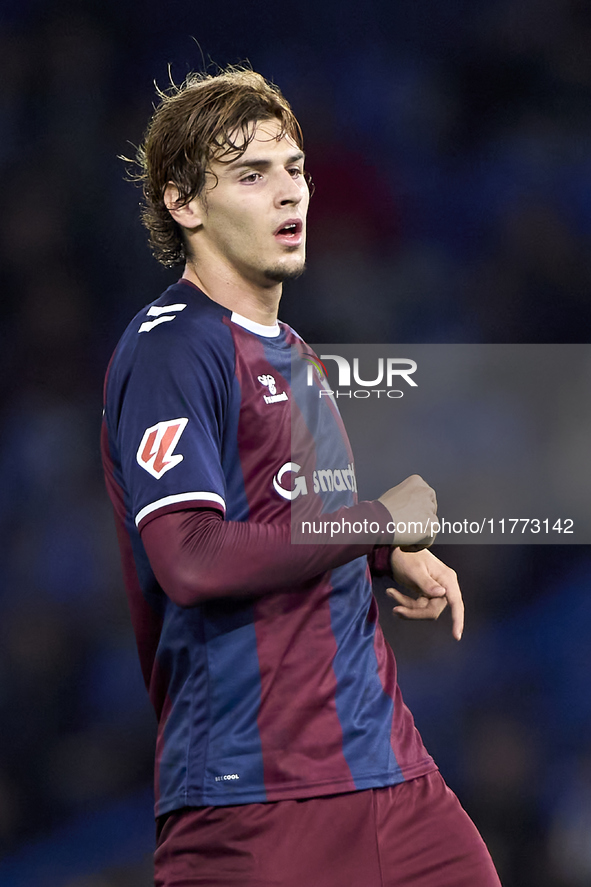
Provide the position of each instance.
(162, 315)
(157, 446)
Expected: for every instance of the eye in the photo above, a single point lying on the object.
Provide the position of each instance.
(295, 171)
(251, 178)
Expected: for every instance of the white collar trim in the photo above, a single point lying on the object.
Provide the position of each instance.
(261, 329)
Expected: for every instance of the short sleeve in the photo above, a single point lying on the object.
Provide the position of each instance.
(170, 421)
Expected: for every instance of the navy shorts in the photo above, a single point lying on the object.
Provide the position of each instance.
(415, 834)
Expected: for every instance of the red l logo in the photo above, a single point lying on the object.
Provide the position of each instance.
(157, 446)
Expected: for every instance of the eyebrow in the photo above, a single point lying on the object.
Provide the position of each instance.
(261, 163)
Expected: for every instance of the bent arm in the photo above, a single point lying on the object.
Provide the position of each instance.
(197, 556)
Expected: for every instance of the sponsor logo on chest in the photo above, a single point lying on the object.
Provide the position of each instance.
(324, 480)
(269, 382)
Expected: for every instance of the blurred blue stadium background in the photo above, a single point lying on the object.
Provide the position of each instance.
(450, 144)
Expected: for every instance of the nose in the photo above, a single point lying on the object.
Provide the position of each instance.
(290, 190)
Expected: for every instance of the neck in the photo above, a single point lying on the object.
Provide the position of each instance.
(257, 303)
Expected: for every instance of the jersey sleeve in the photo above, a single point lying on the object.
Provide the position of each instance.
(197, 556)
(170, 423)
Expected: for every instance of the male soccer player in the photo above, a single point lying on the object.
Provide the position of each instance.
(285, 754)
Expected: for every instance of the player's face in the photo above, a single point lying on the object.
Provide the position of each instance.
(253, 210)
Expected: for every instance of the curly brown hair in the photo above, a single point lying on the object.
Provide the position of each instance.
(206, 117)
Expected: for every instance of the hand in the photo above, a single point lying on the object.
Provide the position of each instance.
(413, 507)
(435, 583)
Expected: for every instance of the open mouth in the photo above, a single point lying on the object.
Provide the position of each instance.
(291, 228)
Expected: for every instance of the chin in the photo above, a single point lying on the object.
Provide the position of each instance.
(285, 272)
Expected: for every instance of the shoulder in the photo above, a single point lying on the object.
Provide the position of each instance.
(182, 323)
(180, 342)
(182, 312)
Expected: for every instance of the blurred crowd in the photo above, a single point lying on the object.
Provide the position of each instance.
(450, 145)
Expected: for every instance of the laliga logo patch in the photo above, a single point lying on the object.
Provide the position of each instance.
(157, 446)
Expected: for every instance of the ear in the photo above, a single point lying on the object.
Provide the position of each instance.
(189, 215)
